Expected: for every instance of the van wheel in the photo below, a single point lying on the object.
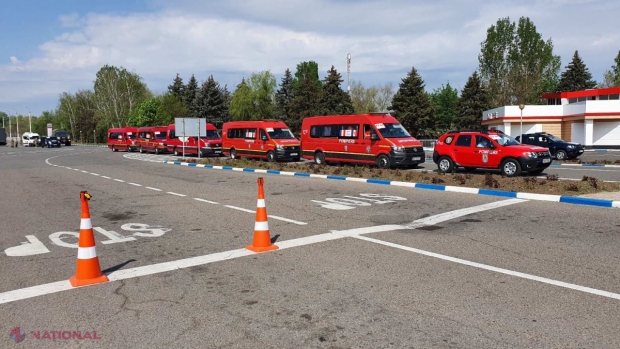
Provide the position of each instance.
(511, 168)
(319, 158)
(445, 164)
(383, 161)
(113, 148)
(233, 154)
(271, 157)
(156, 150)
(176, 151)
(141, 151)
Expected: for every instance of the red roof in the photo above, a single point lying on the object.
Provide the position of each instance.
(584, 93)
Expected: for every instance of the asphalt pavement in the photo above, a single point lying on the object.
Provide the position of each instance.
(358, 265)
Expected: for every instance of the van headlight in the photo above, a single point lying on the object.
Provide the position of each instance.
(162, 144)
(279, 147)
(395, 148)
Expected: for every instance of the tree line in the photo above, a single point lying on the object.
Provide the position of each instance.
(516, 65)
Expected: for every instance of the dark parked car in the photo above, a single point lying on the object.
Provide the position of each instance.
(559, 148)
(51, 142)
(64, 137)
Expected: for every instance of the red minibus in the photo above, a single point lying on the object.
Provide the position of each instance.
(262, 139)
(122, 138)
(210, 142)
(374, 138)
(152, 139)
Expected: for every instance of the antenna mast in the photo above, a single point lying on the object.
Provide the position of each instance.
(349, 73)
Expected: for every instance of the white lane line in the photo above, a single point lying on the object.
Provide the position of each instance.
(136, 184)
(207, 201)
(84, 171)
(240, 209)
(287, 220)
(496, 269)
(173, 193)
(95, 174)
(40, 290)
(153, 188)
(106, 177)
(75, 169)
(119, 180)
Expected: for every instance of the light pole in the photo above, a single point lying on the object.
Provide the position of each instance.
(521, 106)
(19, 139)
(29, 119)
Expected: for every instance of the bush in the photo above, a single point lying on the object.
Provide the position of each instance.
(408, 176)
(572, 187)
(345, 171)
(437, 180)
(489, 181)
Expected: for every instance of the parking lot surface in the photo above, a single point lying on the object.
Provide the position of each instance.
(358, 265)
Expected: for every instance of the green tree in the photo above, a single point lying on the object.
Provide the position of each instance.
(189, 97)
(242, 105)
(413, 107)
(210, 102)
(305, 103)
(612, 77)
(363, 100)
(170, 107)
(334, 101)
(145, 114)
(445, 100)
(263, 86)
(285, 96)
(384, 96)
(473, 102)
(576, 77)
(177, 88)
(117, 92)
(309, 70)
(516, 64)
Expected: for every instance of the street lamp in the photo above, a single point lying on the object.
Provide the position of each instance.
(17, 120)
(521, 106)
(29, 119)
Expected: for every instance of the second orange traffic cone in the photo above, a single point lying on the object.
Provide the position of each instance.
(88, 271)
(262, 238)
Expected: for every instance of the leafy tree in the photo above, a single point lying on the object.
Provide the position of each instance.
(308, 70)
(334, 101)
(145, 114)
(305, 103)
(210, 102)
(86, 105)
(117, 93)
(241, 105)
(473, 102)
(385, 94)
(189, 97)
(445, 100)
(516, 64)
(612, 77)
(363, 100)
(263, 86)
(177, 88)
(576, 77)
(413, 107)
(285, 96)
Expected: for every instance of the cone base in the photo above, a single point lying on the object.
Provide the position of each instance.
(75, 282)
(259, 249)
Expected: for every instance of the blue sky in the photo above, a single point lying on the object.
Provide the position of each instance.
(54, 46)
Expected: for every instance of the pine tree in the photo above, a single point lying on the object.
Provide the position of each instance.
(445, 100)
(334, 101)
(413, 107)
(285, 96)
(210, 102)
(189, 97)
(177, 88)
(576, 77)
(305, 103)
(473, 102)
(611, 78)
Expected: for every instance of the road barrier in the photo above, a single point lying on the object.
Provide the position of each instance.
(88, 270)
(262, 238)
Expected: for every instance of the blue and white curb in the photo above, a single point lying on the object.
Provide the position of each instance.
(601, 150)
(585, 165)
(508, 194)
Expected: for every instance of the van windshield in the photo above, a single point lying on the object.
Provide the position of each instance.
(280, 133)
(211, 134)
(392, 130)
(160, 135)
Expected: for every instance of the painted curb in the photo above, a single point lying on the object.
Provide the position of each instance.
(586, 165)
(601, 150)
(490, 192)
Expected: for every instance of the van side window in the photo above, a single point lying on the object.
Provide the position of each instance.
(172, 134)
(348, 131)
(250, 133)
(236, 133)
(324, 131)
(262, 133)
(463, 141)
(369, 131)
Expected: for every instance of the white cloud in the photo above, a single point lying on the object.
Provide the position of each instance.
(385, 38)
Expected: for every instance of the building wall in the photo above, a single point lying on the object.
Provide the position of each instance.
(606, 133)
(554, 128)
(566, 131)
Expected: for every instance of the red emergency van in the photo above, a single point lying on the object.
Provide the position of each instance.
(152, 139)
(375, 138)
(122, 138)
(210, 142)
(262, 139)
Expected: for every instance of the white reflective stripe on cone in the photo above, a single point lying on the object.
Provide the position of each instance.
(261, 226)
(87, 252)
(260, 203)
(85, 223)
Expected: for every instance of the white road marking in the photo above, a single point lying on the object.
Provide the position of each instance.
(287, 220)
(40, 290)
(153, 188)
(84, 171)
(94, 174)
(136, 184)
(106, 177)
(173, 193)
(207, 201)
(32, 247)
(240, 209)
(75, 169)
(119, 180)
(496, 269)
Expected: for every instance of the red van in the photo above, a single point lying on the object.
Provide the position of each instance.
(152, 139)
(210, 142)
(375, 138)
(122, 138)
(263, 139)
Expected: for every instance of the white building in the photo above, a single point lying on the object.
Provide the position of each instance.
(590, 117)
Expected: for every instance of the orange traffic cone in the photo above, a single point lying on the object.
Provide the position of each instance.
(262, 240)
(88, 271)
